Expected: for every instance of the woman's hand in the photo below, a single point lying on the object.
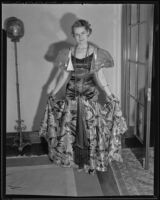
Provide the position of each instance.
(98, 64)
(112, 98)
(52, 93)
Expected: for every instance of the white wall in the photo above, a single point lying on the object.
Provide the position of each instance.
(48, 26)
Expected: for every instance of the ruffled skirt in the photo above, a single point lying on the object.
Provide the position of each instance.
(102, 127)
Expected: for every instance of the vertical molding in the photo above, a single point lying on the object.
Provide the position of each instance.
(114, 48)
(124, 57)
(117, 47)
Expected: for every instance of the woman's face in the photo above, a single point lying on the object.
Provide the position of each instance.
(81, 35)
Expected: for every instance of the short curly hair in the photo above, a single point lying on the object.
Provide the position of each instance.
(80, 23)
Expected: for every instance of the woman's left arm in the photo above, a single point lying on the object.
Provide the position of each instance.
(101, 81)
(103, 59)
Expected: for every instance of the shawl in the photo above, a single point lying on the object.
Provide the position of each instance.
(101, 58)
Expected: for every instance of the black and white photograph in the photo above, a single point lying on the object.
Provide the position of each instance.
(80, 100)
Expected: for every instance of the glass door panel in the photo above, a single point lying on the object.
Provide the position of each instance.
(143, 43)
(134, 39)
(141, 83)
(132, 113)
(133, 78)
(134, 13)
(144, 9)
(140, 122)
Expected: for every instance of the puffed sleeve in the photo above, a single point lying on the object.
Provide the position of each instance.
(102, 58)
(62, 59)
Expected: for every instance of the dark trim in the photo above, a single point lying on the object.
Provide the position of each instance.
(3, 107)
(32, 136)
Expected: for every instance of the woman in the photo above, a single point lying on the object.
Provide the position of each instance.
(80, 131)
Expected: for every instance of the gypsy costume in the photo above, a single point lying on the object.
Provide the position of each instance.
(85, 133)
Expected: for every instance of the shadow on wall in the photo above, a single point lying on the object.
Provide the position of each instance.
(66, 22)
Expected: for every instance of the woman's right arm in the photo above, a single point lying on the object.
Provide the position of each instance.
(63, 77)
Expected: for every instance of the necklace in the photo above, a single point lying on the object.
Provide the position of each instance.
(87, 51)
(82, 48)
(76, 48)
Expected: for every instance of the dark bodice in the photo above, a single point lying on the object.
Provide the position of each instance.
(80, 84)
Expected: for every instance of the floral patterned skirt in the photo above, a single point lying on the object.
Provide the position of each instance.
(103, 126)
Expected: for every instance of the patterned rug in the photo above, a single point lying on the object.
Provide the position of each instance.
(131, 177)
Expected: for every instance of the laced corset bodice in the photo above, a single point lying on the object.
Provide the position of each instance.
(80, 84)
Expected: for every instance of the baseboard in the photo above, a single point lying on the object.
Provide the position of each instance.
(32, 136)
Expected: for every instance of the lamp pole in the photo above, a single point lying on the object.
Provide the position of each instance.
(19, 141)
(15, 30)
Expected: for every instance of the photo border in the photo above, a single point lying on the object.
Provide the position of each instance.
(3, 112)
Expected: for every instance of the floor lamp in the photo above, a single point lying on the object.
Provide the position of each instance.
(15, 30)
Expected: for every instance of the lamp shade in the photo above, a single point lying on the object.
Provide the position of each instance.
(14, 28)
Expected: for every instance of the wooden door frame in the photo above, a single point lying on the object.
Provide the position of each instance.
(124, 89)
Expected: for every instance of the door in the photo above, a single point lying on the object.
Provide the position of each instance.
(137, 37)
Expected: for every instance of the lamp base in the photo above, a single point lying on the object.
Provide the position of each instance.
(19, 140)
(21, 145)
